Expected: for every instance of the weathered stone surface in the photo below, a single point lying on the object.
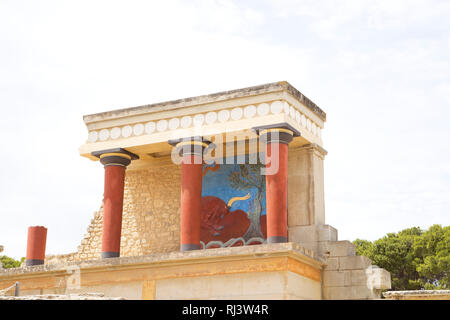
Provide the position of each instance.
(80, 296)
(353, 277)
(378, 278)
(350, 293)
(355, 262)
(337, 278)
(332, 263)
(312, 233)
(183, 274)
(418, 295)
(306, 187)
(358, 277)
(258, 250)
(337, 248)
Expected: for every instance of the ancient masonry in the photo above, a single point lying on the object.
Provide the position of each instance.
(146, 240)
(81, 296)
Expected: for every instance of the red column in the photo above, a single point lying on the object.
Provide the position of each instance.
(115, 162)
(112, 210)
(190, 151)
(276, 193)
(191, 201)
(277, 141)
(37, 239)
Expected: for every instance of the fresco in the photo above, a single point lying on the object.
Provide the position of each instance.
(233, 205)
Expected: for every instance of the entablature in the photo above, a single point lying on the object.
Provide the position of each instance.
(230, 115)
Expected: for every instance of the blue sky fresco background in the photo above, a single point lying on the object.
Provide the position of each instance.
(380, 69)
(217, 184)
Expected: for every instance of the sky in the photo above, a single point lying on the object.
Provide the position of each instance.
(379, 69)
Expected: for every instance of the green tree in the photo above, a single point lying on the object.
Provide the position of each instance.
(416, 259)
(363, 247)
(8, 262)
(432, 252)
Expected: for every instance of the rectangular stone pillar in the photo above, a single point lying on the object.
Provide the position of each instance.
(306, 200)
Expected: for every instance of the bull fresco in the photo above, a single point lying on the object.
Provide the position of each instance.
(233, 205)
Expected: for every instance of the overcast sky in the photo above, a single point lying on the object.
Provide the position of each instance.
(379, 69)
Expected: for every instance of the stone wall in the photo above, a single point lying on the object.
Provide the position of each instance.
(418, 295)
(346, 276)
(270, 271)
(81, 296)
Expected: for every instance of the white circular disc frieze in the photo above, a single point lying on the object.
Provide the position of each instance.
(92, 136)
(263, 109)
(276, 107)
(303, 120)
(150, 127)
(224, 115)
(186, 122)
(211, 117)
(104, 134)
(286, 107)
(161, 125)
(174, 123)
(297, 117)
(249, 111)
(236, 113)
(138, 129)
(292, 112)
(126, 131)
(198, 120)
(115, 133)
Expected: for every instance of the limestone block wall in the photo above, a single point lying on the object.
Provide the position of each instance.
(345, 275)
(348, 276)
(306, 199)
(151, 211)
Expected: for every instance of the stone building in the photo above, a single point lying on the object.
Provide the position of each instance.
(218, 196)
(417, 295)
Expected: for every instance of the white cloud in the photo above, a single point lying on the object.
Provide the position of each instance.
(340, 19)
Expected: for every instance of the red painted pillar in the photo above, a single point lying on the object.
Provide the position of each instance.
(115, 162)
(37, 239)
(191, 201)
(277, 141)
(191, 152)
(112, 210)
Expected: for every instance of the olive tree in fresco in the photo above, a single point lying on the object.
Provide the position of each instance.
(246, 178)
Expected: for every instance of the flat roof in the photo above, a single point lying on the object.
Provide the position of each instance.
(219, 96)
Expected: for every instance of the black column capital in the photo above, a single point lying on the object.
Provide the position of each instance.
(115, 157)
(279, 132)
(191, 145)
